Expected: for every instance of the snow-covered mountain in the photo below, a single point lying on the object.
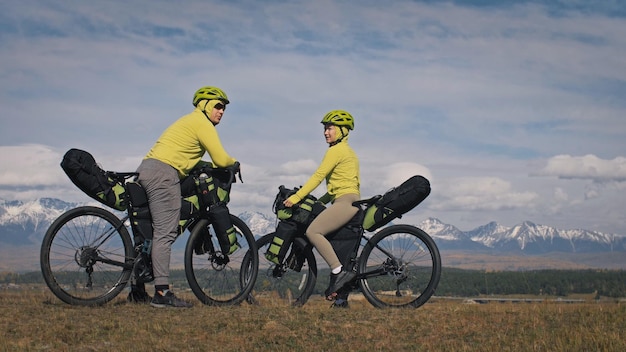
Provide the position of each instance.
(527, 238)
(25, 223)
(258, 223)
(533, 238)
(449, 237)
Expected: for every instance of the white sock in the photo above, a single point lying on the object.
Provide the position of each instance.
(337, 270)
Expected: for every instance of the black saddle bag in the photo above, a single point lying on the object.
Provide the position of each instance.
(396, 202)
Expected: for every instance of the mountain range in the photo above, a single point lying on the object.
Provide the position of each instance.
(23, 224)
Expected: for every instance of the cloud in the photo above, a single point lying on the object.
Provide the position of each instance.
(400, 172)
(466, 94)
(480, 194)
(30, 165)
(588, 167)
(560, 195)
(298, 167)
(33, 171)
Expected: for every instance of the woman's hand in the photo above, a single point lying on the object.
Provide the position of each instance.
(288, 203)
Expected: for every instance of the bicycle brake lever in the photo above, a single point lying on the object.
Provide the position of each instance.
(237, 167)
(239, 173)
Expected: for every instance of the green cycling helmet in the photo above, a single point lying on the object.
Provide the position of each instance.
(209, 93)
(339, 118)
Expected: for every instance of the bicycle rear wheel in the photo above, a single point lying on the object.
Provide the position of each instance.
(86, 256)
(400, 266)
(290, 283)
(213, 280)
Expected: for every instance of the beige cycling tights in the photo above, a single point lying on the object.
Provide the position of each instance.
(331, 219)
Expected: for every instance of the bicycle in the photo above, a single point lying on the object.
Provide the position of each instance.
(87, 255)
(398, 266)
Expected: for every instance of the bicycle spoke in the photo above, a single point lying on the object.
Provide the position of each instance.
(214, 280)
(84, 258)
(400, 267)
(280, 284)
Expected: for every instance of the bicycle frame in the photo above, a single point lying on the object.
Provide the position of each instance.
(354, 255)
(373, 273)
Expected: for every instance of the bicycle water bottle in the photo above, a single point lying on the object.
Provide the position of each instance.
(202, 184)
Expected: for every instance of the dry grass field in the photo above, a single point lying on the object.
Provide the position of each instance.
(34, 320)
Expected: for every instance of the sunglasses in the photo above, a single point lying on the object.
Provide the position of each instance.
(220, 106)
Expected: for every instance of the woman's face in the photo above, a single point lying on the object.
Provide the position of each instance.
(330, 132)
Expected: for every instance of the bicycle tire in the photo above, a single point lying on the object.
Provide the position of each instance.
(281, 284)
(212, 282)
(406, 279)
(86, 256)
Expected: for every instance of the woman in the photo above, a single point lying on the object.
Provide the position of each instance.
(340, 168)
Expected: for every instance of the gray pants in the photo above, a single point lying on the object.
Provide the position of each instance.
(331, 219)
(162, 186)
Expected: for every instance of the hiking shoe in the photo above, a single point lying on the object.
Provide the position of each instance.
(138, 296)
(340, 303)
(337, 281)
(168, 299)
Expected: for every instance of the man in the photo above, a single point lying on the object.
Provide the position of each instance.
(175, 153)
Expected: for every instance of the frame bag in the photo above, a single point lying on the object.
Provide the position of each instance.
(346, 239)
(396, 202)
(82, 169)
(141, 225)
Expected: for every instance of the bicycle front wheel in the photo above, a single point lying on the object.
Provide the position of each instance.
(400, 266)
(86, 256)
(213, 279)
(289, 283)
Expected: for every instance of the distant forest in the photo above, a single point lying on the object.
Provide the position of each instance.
(468, 283)
(606, 283)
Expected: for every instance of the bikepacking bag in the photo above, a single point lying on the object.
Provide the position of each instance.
(188, 210)
(141, 225)
(213, 190)
(213, 185)
(284, 235)
(142, 220)
(82, 169)
(346, 239)
(190, 204)
(223, 227)
(396, 202)
(303, 213)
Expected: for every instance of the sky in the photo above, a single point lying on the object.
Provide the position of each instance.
(514, 110)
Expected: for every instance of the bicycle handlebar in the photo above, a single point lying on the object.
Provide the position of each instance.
(368, 201)
(234, 170)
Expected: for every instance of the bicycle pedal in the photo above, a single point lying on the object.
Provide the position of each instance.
(143, 268)
(278, 271)
(294, 261)
(221, 259)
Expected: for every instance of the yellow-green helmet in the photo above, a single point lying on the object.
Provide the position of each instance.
(209, 93)
(339, 118)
